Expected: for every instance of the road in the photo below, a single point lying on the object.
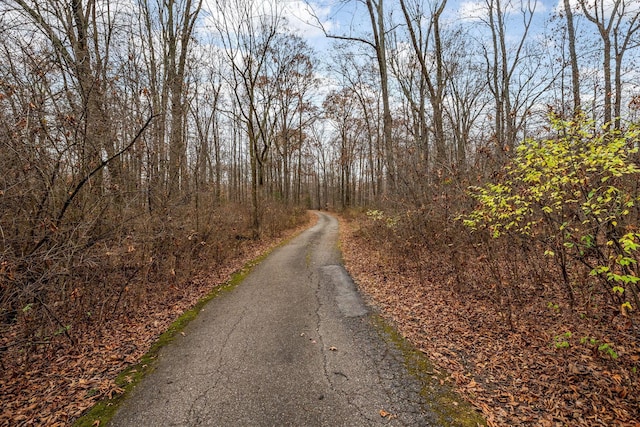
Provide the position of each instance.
(293, 345)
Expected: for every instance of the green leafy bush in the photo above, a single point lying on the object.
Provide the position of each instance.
(576, 193)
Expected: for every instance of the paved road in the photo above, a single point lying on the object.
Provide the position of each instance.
(293, 345)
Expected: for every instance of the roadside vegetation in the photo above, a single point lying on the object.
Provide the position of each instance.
(484, 154)
(526, 289)
(52, 373)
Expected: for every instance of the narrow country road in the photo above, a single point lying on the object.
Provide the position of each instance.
(293, 345)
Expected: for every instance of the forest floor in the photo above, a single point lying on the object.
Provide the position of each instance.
(554, 368)
(56, 382)
(521, 376)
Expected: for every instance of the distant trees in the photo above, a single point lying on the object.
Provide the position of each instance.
(341, 109)
(505, 49)
(124, 133)
(138, 121)
(270, 80)
(293, 82)
(471, 92)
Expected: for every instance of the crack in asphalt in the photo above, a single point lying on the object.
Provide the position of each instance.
(316, 272)
(293, 345)
(194, 415)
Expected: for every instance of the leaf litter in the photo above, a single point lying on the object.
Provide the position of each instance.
(52, 384)
(513, 376)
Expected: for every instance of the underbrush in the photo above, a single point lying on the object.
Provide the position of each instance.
(498, 314)
(75, 314)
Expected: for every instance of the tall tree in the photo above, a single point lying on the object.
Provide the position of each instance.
(74, 33)
(169, 29)
(467, 98)
(618, 22)
(292, 81)
(379, 30)
(361, 80)
(511, 74)
(428, 46)
(181, 17)
(247, 31)
(573, 57)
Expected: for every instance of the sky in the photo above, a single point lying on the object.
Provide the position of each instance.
(343, 17)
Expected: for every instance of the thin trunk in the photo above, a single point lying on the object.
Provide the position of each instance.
(573, 56)
(376, 14)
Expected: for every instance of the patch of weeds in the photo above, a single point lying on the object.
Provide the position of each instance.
(604, 349)
(562, 341)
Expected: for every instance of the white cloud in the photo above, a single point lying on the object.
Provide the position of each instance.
(475, 10)
(306, 19)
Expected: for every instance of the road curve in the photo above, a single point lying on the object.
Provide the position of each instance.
(293, 345)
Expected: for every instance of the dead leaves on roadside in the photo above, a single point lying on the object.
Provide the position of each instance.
(515, 377)
(388, 415)
(51, 385)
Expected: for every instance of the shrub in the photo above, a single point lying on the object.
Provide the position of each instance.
(576, 193)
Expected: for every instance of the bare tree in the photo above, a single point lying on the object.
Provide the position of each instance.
(573, 57)
(74, 32)
(379, 26)
(467, 98)
(247, 31)
(341, 108)
(428, 47)
(361, 80)
(292, 80)
(206, 106)
(169, 27)
(617, 22)
(514, 77)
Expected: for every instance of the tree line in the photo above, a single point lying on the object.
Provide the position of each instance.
(139, 136)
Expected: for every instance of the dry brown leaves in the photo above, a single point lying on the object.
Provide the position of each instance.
(54, 384)
(515, 377)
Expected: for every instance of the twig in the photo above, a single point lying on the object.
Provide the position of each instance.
(82, 182)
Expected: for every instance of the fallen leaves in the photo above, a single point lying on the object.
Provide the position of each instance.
(515, 377)
(388, 415)
(52, 384)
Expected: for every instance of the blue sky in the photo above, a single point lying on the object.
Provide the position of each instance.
(345, 17)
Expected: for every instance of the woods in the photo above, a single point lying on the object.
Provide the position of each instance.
(146, 142)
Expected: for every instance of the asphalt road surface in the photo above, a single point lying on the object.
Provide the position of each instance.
(293, 345)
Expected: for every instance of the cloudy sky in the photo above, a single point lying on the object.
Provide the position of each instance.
(342, 17)
(350, 17)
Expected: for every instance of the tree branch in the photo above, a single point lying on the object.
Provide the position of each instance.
(84, 180)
